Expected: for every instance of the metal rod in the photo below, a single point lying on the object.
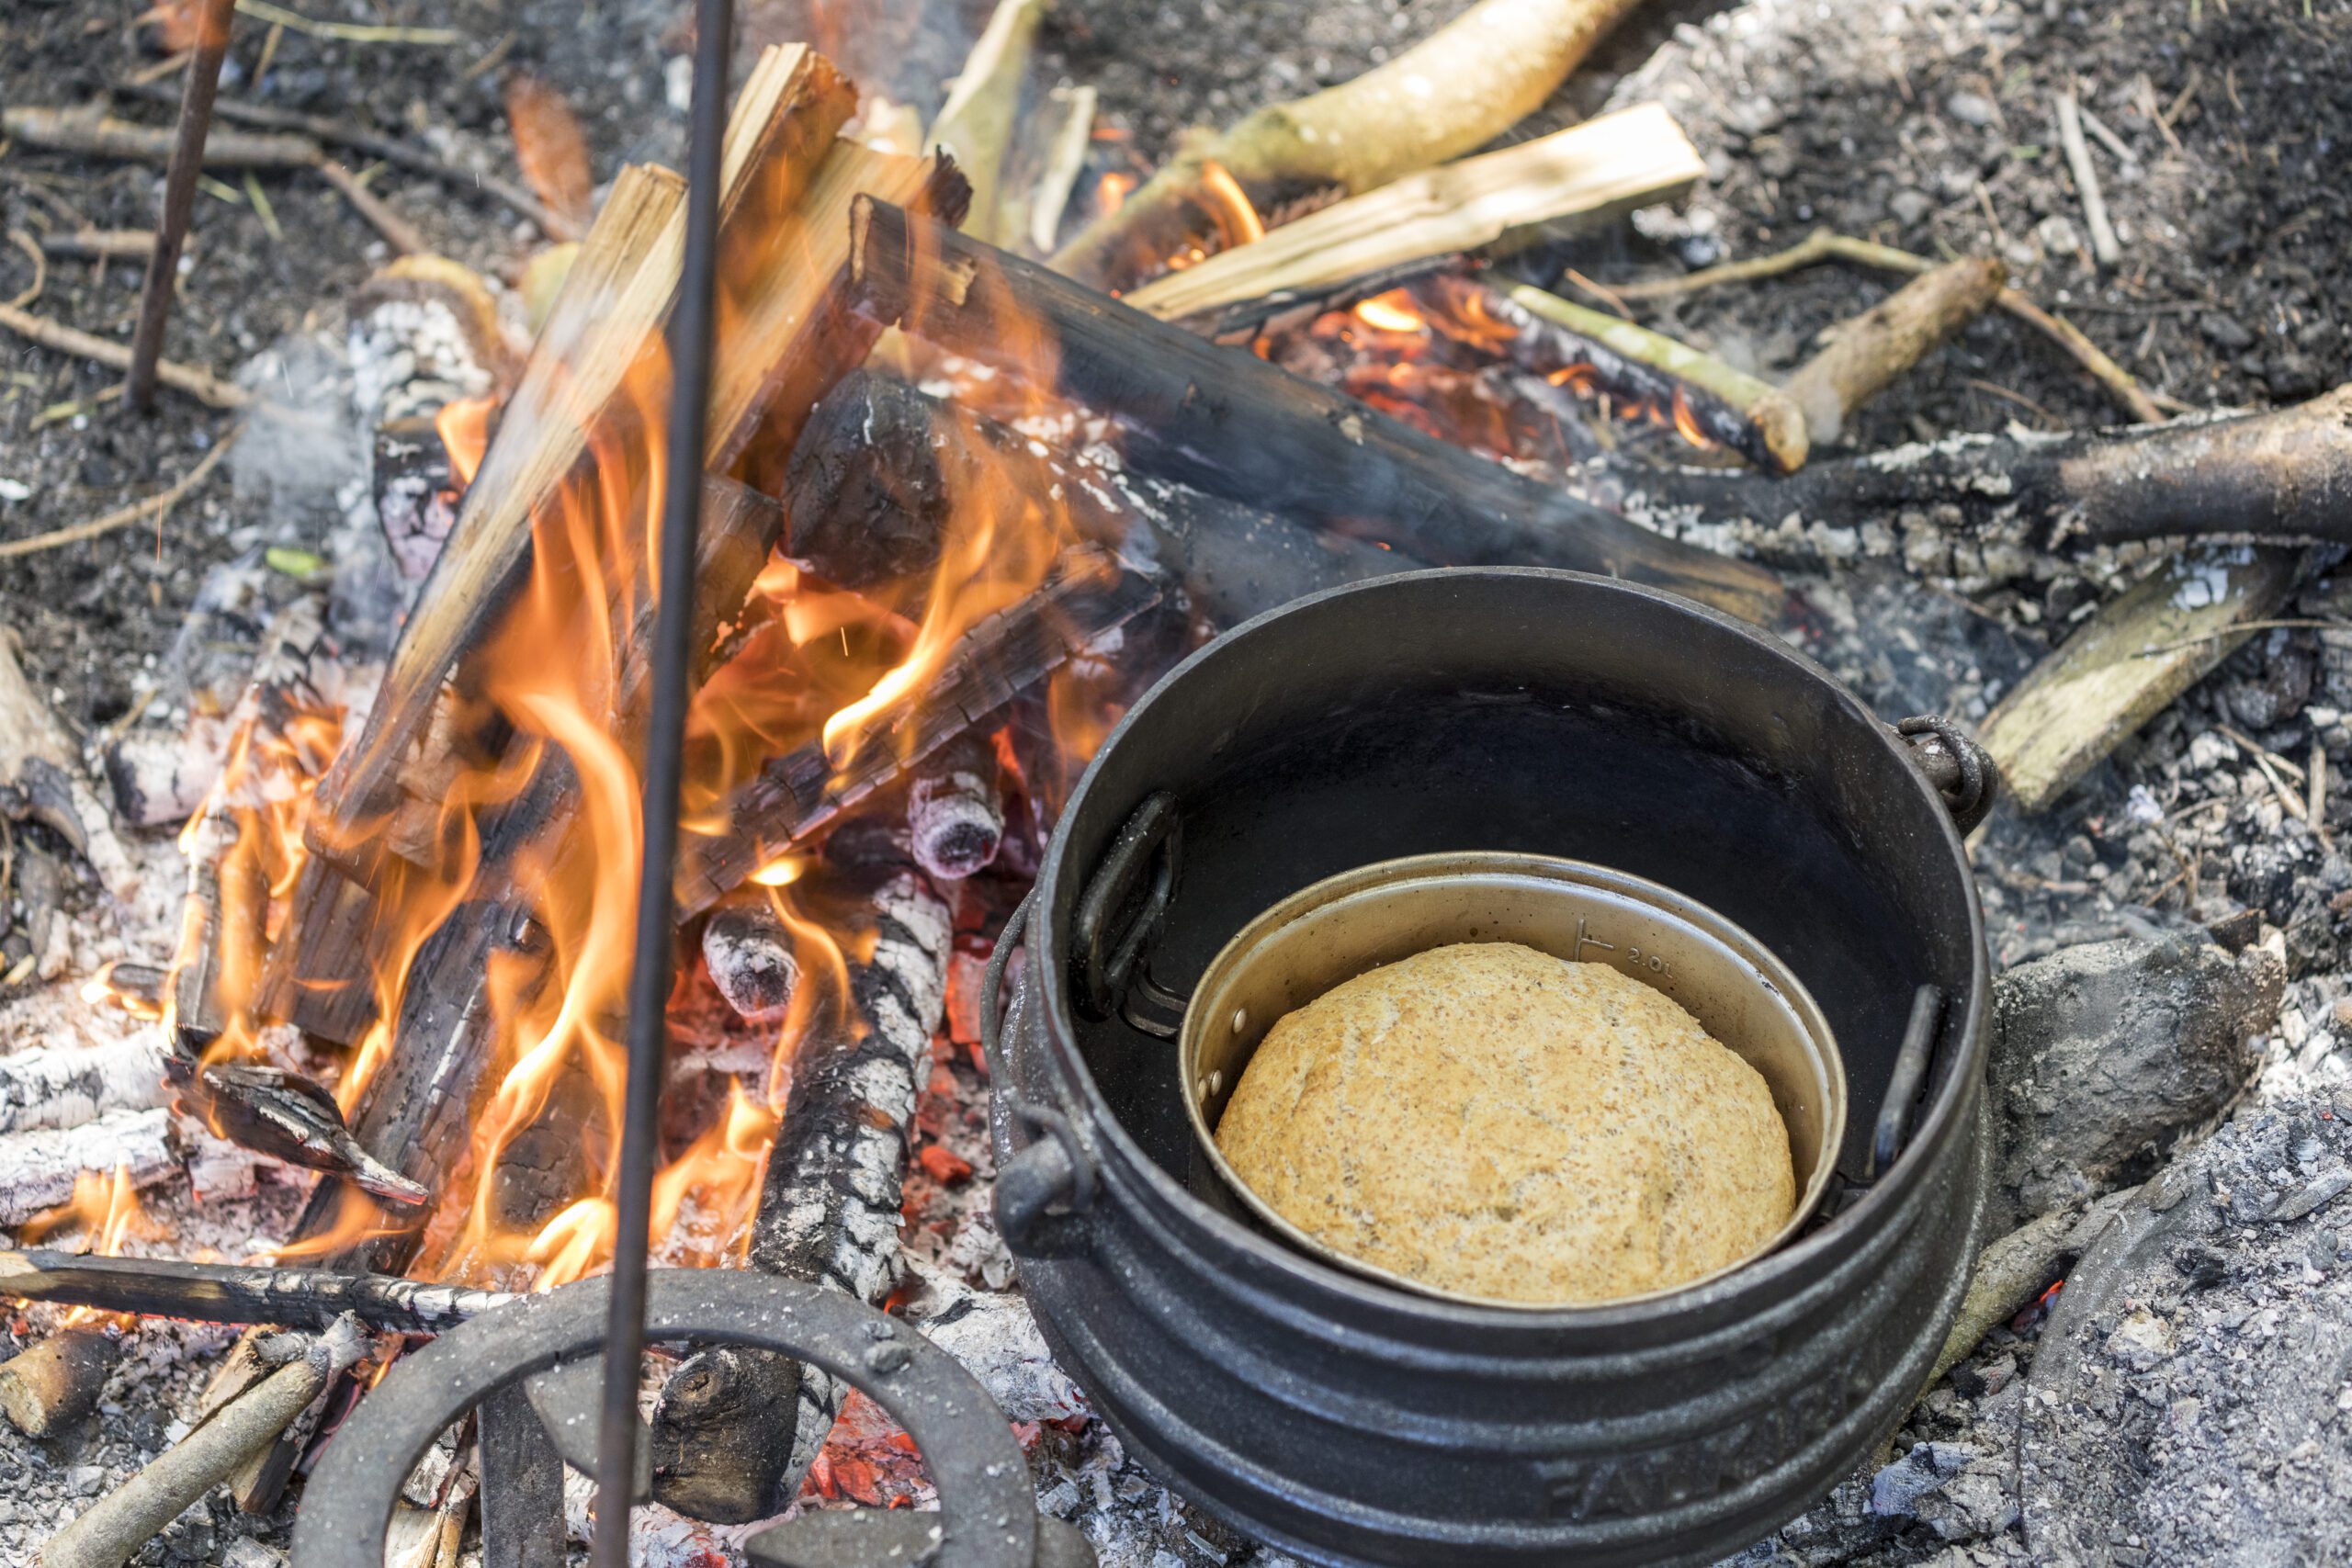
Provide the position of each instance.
(691, 330)
(179, 202)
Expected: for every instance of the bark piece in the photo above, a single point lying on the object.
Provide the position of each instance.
(2127, 663)
(1636, 157)
(1234, 426)
(40, 775)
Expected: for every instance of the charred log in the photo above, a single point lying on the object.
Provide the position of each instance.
(1238, 427)
(228, 1292)
(956, 809)
(65, 1087)
(38, 1168)
(48, 1386)
(736, 1429)
(747, 949)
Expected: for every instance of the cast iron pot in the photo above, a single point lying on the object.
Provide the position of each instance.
(1348, 1421)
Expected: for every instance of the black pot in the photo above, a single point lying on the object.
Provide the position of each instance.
(1344, 1420)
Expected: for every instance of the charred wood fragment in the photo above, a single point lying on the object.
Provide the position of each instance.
(67, 1085)
(39, 1168)
(54, 1382)
(736, 1429)
(747, 949)
(230, 1293)
(956, 809)
(1236, 426)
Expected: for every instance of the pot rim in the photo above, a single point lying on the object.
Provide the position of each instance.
(1935, 1127)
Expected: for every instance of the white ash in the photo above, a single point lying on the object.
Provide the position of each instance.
(38, 1169)
(748, 950)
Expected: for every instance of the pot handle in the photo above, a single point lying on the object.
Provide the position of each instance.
(1961, 770)
(1043, 1190)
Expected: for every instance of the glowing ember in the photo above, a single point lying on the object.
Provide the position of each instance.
(1391, 312)
(1237, 220)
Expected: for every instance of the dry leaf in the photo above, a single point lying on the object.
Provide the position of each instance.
(549, 145)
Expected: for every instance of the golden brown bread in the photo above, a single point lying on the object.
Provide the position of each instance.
(1498, 1123)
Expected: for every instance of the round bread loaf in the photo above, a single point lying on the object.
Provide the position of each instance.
(1494, 1122)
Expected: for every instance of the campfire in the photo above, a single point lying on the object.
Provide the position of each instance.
(1003, 566)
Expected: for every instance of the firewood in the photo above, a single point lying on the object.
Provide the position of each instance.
(1872, 349)
(38, 1168)
(41, 768)
(2281, 475)
(230, 1292)
(113, 1530)
(956, 809)
(65, 1086)
(1455, 90)
(975, 125)
(1636, 157)
(54, 1382)
(804, 790)
(1229, 424)
(2129, 661)
(1733, 409)
(102, 136)
(522, 1484)
(736, 1429)
(747, 950)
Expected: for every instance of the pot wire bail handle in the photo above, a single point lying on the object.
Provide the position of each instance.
(1050, 1179)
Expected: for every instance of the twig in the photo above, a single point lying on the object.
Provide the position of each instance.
(2181, 100)
(347, 32)
(2112, 143)
(1877, 347)
(201, 385)
(1824, 245)
(101, 137)
(262, 209)
(396, 229)
(119, 1524)
(31, 291)
(161, 502)
(2104, 244)
(110, 244)
(2316, 800)
(407, 155)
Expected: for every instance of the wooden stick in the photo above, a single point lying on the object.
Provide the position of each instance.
(1229, 424)
(113, 244)
(2079, 703)
(1455, 90)
(53, 1383)
(1880, 344)
(101, 136)
(1823, 245)
(38, 1169)
(2104, 244)
(1767, 426)
(2283, 475)
(975, 125)
(201, 385)
(162, 501)
(1634, 158)
(228, 1293)
(112, 1531)
(397, 231)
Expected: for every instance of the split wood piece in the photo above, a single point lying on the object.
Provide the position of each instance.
(1234, 426)
(201, 385)
(65, 1086)
(42, 776)
(102, 136)
(332, 131)
(883, 470)
(736, 1429)
(2104, 244)
(975, 125)
(1454, 91)
(1064, 157)
(225, 917)
(803, 791)
(1732, 408)
(522, 1484)
(38, 1169)
(2129, 661)
(54, 1382)
(113, 1530)
(107, 244)
(230, 1292)
(1822, 246)
(2283, 475)
(1873, 348)
(956, 809)
(1636, 157)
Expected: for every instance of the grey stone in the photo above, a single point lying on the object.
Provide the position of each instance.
(2225, 332)
(1970, 108)
(2105, 1050)
(1910, 206)
(1897, 1489)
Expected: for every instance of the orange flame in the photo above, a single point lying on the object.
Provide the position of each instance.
(1237, 220)
(464, 428)
(1391, 312)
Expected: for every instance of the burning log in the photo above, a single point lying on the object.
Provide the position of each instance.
(1234, 426)
(287, 1117)
(49, 1386)
(59, 1087)
(1455, 90)
(38, 1168)
(228, 1293)
(795, 794)
(736, 1429)
(113, 1532)
(2282, 475)
(1880, 344)
(1636, 157)
(956, 809)
(748, 950)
